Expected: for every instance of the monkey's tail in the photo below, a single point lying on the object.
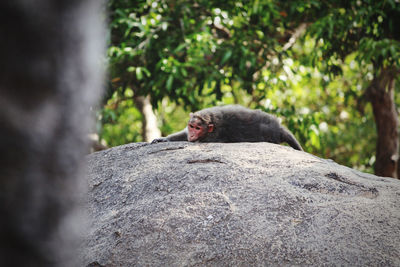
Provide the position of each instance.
(289, 138)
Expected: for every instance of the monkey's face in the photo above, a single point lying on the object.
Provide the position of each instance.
(197, 130)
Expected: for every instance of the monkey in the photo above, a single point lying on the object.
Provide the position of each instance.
(231, 124)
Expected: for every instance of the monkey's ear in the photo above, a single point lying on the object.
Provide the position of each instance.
(191, 114)
(210, 128)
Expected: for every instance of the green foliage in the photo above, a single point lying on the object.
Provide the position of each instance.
(121, 121)
(181, 49)
(325, 119)
(365, 27)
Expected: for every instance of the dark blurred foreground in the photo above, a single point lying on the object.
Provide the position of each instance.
(49, 78)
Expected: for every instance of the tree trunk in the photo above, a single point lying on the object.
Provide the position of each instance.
(95, 144)
(398, 170)
(150, 129)
(381, 95)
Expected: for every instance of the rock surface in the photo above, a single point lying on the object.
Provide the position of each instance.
(242, 204)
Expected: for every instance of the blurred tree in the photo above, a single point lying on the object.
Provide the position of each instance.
(369, 29)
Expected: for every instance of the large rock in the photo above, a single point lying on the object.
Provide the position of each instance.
(242, 204)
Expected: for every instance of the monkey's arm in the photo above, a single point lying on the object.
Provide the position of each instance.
(179, 136)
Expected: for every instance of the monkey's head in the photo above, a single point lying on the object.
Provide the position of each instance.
(198, 128)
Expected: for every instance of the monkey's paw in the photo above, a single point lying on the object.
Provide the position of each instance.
(159, 140)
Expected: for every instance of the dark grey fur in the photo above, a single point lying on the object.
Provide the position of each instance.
(234, 123)
(49, 78)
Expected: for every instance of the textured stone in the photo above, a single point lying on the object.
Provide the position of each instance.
(241, 204)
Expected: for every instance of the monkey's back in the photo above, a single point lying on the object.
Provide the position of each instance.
(234, 123)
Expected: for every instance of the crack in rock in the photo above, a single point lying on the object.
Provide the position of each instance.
(204, 161)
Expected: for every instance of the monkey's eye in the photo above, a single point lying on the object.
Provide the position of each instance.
(190, 126)
(198, 128)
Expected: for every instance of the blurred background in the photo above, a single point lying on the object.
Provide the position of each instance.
(329, 69)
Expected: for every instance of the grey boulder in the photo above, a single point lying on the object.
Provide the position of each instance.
(240, 204)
